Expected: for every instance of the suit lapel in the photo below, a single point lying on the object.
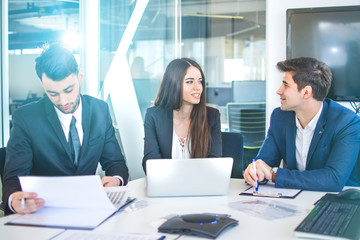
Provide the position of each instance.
(86, 123)
(168, 130)
(56, 125)
(290, 141)
(319, 130)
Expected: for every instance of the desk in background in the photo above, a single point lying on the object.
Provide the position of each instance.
(146, 215)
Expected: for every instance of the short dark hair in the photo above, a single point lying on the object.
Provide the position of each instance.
(56, 61)
(309, 72)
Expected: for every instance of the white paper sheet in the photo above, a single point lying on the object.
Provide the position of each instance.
(269, 190)
(77, 202)
(68, 192)
(267, 209)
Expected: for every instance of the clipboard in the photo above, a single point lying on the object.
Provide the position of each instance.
(269, 190)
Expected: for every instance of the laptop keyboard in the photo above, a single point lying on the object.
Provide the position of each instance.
(329, 218)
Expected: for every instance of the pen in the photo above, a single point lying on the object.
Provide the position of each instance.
(254, 166)
(23, 203)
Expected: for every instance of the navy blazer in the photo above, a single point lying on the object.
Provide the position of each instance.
(158, 128)
(37, 144)
(333, 153)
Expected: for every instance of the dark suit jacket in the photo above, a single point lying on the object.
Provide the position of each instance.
(158, 128)
(333, 152)
(37, 144)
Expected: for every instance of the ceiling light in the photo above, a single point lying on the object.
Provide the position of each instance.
(215, 16)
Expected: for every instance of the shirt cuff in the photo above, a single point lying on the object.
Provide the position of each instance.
(121, 180)
(9, 203)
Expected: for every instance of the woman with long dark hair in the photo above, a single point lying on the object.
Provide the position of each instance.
(180, 125)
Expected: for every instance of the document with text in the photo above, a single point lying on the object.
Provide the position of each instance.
(269, 190)
(72, 202)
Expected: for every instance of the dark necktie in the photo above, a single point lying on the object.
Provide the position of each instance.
(74, 142)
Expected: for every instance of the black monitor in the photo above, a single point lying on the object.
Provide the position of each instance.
(331, 35)
(248, 91)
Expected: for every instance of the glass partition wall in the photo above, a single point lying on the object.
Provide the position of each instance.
(124, 47)
(1, 75)
(4, 79)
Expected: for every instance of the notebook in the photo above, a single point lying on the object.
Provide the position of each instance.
(188, 177)
(332, 218)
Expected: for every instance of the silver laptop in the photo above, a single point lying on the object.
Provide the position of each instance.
(188, 177)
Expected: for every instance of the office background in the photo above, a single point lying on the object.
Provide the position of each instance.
(124, 46)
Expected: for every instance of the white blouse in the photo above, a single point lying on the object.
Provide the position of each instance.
(180, 147)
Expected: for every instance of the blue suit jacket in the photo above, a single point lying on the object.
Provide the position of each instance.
(158, 128)
(332, 157)
(37, 144)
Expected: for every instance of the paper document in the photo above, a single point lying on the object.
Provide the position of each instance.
(267, 209)
(269, 190)
(78, 202)
(77, 234)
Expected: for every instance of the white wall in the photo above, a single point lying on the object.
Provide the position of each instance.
(276, 40)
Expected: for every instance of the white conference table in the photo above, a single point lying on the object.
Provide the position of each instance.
(146, 214)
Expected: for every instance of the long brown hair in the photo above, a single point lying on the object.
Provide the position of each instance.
(170, 97)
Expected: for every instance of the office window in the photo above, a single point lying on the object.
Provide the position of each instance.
(31, 24)
(136, 41)
(150, 27)
(228, 39)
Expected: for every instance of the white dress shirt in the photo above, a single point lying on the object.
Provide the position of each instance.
(303, 140)
(65, 119)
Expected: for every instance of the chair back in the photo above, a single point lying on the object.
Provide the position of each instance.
(358, 167)
(232, 146)
(248, 119)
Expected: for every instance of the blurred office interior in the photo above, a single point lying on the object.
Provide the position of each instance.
(124, 46)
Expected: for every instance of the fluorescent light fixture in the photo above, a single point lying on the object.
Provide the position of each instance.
(31, 51)
(243, 30)
(215, 16)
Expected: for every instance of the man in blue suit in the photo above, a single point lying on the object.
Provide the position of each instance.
(317, 138)
(41, 141)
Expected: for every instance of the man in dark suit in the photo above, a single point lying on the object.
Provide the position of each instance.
(42, 140)
(317, 138)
